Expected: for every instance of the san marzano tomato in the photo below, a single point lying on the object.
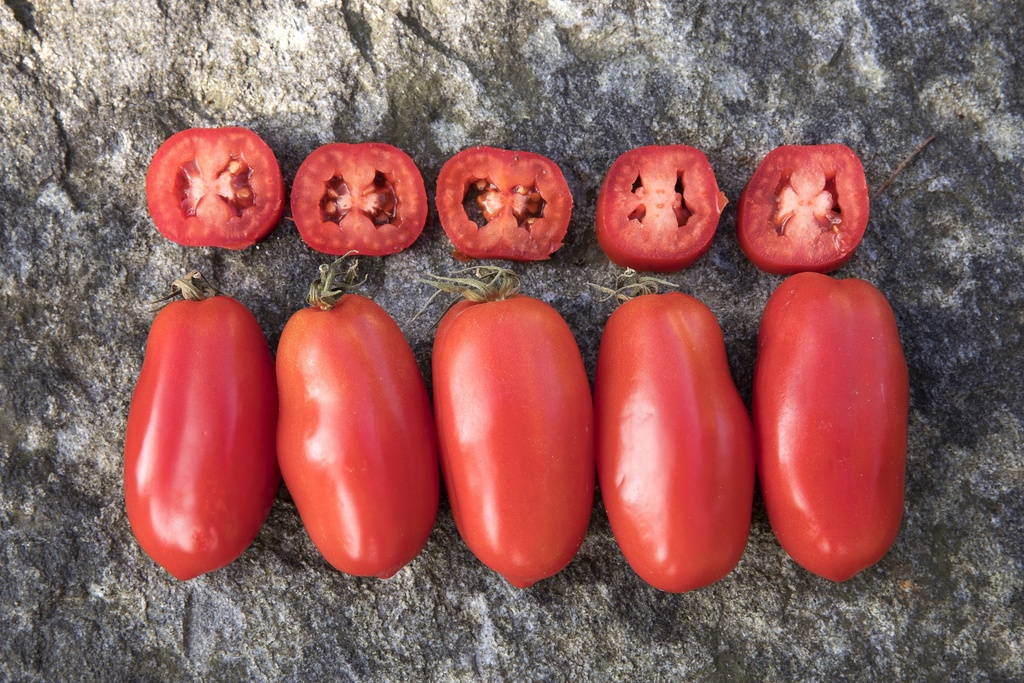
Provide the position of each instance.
(502, 204)
(217, 187)
(200, 471)
(363, 198)
(515, 429)
(675, 447)
(831, 396)
(356, 434)
(658, 208)
(804, 209)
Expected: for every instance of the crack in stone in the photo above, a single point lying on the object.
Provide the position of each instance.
(24, 12)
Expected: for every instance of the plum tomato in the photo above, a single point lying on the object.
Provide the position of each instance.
(502, 204)
(804, 209)
(515, 431)
(200, 468)
(830, 402)
(365, 198)
(675, 446)
(355, 436)
(215, 187)
(658, 208)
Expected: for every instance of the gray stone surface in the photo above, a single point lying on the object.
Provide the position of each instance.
(88, 90)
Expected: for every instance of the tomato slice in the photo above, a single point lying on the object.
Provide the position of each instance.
(366, 198)
(658, 208)
(503, 204)
(804, 209)
(215, 187)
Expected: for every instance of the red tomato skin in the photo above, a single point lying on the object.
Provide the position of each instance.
(657, 245)
(516, 434)
(355, 437)
(830, 404)
(823, 252)
(216, 223)
(200, 471)
(502, 237)
(357, 233)
(675, 445)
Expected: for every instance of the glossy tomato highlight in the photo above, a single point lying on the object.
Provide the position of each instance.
(365, 198)
(515, 427)
(355, 437)
(830, 402)
(218, 187)
(658, 208)
(200, 470)
(502, 204)
(804, 209)
(675, 446)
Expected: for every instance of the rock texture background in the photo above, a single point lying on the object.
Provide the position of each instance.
(88, 91)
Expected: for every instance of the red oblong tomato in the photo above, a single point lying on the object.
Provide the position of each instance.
(830, 404)
(804, 209)
(355, 436)
(218, 187)
(675, 446)
(366, 198)
(200, 469)
(658, 208)
(515, 428)
(519, 201)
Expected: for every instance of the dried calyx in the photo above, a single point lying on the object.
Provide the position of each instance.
(335, 281)
(190, 287)
(630, 284)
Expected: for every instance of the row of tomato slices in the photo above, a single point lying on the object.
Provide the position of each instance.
(804, 209)
(344, 415)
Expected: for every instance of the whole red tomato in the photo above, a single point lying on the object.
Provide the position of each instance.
(658, 208)
(200, 471)
(364, 198)
(217, 187)
(515, 427)
(503, 204)
(830, 405)
(675, 447)
(804, 209)
(355, 436)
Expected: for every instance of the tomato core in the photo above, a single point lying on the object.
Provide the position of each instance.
(378, 200)
(485, 201)
(231, 185)
(807, 204)
(658, 204)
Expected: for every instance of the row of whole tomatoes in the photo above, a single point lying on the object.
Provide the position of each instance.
(805, 207)
(345, 417)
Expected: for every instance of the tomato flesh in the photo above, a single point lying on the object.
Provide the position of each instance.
(503, 204)
(215, 187)
(804, 209)
(365, 198)
(658, 208)
(830, 402)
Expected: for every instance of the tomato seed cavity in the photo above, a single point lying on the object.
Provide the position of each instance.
(679, 209)
(378, 201)
(807, 199)
(231, 185)
(485, 201)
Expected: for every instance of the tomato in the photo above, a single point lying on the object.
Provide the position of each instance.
(355, 436)
(675, 446)
(805, 208)
(364, 198)
(215, 187)
(200, 470)
(515, 429)
(830, 405)
(501, 204)
(658, 208)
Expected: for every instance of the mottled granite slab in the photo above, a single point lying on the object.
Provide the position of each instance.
(89, 89)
